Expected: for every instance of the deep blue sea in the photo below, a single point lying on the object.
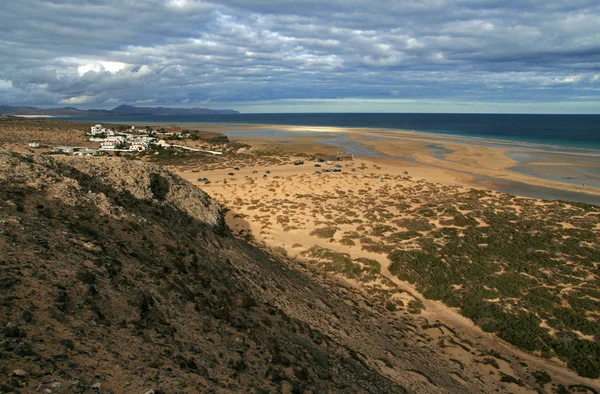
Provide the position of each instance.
(577, 131)
(560, 137)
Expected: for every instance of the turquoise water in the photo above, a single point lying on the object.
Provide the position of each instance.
(531, 138)
(333, 139)
(574, 131)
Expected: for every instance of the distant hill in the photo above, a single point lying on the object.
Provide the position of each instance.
(66, 111)
(131, 110)
(121, 110)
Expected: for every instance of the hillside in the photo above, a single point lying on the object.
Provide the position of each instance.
(118, 276)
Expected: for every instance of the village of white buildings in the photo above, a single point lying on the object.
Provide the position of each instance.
(133, 140)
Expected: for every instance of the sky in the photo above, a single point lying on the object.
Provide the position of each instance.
(494, 56)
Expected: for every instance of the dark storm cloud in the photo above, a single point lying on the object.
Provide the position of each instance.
(188, 52)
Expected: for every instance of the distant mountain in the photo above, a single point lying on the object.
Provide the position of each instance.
(121, 110)
(66, 111)
(131, 110)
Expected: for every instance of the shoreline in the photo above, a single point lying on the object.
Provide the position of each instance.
(36, 116)
(479, 162)
(532, 142)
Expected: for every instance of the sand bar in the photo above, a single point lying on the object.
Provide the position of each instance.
(489, 163)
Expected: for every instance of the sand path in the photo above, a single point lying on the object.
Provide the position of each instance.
(287, 181)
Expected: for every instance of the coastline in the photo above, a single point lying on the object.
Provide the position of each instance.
(295, 212)
(500, 165)
(35, 116)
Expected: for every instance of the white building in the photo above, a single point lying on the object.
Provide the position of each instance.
(66, 149)
(108, 145)
(138, 146)
(86, 152)
(34, 144)
(116, 139)
(98, 129)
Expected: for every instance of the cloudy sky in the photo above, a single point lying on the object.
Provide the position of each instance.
(540, 56)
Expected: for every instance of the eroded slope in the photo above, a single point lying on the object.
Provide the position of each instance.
(120, 276)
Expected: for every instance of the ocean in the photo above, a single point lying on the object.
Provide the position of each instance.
(575, 131)
(531, 139)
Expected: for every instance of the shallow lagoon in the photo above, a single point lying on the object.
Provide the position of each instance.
(583, 168)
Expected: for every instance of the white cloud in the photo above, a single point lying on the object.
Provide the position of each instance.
(111, 67)
(188, 51)
(78, 100)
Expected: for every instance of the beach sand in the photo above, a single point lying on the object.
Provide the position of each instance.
(282, 211)
(34, 116)
(491, 164)
(318, 218)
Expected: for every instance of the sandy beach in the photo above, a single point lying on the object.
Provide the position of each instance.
(34, 116)
(305, 216)
(529, 170)
(329, 217)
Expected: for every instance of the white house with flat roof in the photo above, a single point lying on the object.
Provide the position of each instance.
(98, 129)
(138, 146)
(108, 145)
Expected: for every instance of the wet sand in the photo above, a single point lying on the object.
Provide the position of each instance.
(529, 170)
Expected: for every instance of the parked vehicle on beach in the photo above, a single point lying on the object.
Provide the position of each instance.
(230, 174)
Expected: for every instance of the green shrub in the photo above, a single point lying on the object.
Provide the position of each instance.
(327, 232)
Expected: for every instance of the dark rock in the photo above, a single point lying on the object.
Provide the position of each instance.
(27, 316)
(248, 302)
(58, 315)
(238, 364)
(68, 343)
(62, 300)
(11, 330)
(86, 276)
(301, 373)
(159, 186)
(23, 349)
(202, 371)
(297, 390)
(222, 313)
(274, 374)
(283, 360)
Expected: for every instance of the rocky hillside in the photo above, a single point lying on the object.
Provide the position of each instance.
(118, 276)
